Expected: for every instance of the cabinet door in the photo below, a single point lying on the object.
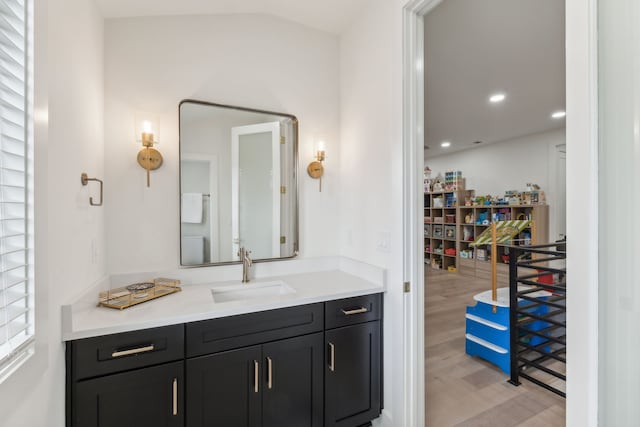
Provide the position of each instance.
(224, 389)
(292, 391)
(352, 375)
(144, 397)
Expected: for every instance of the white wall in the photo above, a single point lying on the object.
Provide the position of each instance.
(69, 252)
(247, 60)
(371, 169)
(508, 165)
(619, 177)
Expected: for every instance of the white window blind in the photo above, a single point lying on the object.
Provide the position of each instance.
(16, 268)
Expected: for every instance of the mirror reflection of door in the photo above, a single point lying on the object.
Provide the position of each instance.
(255, 189)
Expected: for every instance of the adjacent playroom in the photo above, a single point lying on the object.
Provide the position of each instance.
(495, 214)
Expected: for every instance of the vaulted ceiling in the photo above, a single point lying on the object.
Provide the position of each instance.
(332, 16)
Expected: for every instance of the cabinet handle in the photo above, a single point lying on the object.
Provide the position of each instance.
(175, 396)
(332, 357)
(269, 373)
(354, 311)
(256, 376)
(133, 351)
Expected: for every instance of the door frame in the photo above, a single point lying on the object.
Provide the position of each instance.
(582, 209)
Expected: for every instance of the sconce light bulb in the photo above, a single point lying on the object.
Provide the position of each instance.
(146, 127)
(320, 150)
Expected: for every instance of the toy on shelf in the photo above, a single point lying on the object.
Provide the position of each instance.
(436, 263)
(483, 218)
(427, 179)
(467, 234)
(466, 253)
(438, 184)
(452, 181)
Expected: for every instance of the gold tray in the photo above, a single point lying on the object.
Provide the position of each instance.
(122, 297)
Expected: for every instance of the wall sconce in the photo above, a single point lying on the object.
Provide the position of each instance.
(315, 168)
(147, 133)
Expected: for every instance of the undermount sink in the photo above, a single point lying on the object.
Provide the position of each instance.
(246, 291)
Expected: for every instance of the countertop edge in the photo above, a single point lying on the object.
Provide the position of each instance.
(176, 320)
(369, 280)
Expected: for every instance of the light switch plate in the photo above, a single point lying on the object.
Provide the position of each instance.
(383, 241)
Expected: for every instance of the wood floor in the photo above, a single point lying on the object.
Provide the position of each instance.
(462, 391)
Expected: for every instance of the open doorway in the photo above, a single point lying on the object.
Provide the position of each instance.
(494, 148)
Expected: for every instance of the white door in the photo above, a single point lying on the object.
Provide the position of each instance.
(255, 189)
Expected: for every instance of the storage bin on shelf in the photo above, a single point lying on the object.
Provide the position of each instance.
(450, 232)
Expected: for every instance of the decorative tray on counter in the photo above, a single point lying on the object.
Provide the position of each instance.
(137, 293)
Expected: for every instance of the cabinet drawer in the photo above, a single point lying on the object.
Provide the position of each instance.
(92, 357)
(227, 333)
(350, 311)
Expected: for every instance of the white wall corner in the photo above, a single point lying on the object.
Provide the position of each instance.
(372, 273)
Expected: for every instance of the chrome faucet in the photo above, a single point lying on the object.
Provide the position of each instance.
(246, 263)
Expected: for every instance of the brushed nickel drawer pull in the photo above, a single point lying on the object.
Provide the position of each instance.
(354, 311)
(175, 396)
(256, 376)
(133, 351)
(332, 357)
(269, 373)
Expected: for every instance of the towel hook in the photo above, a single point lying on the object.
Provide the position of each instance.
(84, 178)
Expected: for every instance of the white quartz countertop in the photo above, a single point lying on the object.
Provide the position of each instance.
(195, 302)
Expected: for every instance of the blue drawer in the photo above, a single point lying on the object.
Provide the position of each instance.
(497, 355)
(489, 331)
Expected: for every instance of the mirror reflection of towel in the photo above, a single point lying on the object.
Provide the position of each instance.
(192, 208)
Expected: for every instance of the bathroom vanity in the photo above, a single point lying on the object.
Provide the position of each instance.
(298, 350)
(314, 360)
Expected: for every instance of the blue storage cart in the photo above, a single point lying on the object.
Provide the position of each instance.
(487, 331)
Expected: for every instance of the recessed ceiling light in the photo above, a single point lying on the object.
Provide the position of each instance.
(445, 144)
(558, 114)
(497, 97)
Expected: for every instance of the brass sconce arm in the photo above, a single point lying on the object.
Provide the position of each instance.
(84, 178)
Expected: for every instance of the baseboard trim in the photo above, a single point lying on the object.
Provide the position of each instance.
(384, 420)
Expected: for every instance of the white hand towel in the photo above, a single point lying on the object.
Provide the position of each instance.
(192, 208)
